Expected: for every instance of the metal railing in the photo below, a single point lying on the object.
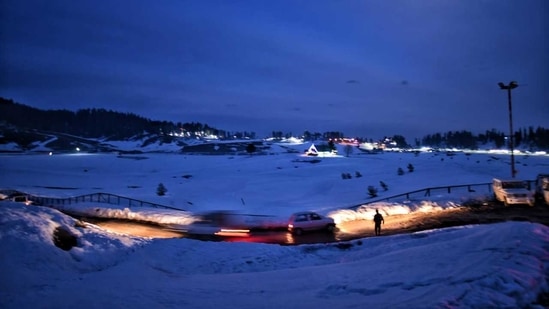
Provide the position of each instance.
(105, 198)
(427, 192)
(108, 198)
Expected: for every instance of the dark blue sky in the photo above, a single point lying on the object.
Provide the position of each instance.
(366, 68)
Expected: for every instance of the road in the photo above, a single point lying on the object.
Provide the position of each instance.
(395, 224)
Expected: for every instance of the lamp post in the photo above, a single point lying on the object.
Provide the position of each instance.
(512, 85)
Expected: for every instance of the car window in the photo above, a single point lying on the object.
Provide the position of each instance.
(513, 185)
(300, 218)
(20, 199)
(315, 217)
(202, 222)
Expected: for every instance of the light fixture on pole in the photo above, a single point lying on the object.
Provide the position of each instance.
(512, 85)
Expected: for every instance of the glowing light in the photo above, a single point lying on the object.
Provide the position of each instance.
(233, 232)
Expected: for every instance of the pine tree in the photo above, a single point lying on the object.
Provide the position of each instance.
(383, 185)
(410, 168)
(161, 189)
(372, 191)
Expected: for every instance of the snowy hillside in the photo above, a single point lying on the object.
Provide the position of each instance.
(502, 265)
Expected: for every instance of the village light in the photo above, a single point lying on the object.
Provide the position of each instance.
(512, 85)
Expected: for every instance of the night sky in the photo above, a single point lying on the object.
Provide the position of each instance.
(365, 68)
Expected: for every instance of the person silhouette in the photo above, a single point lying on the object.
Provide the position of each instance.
(378, 219)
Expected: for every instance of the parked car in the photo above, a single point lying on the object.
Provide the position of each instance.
(542, 188)
(21, 199)
(512, 192)
(309, 221)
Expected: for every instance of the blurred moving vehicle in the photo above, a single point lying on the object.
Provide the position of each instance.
(512, 192)
(214, 223)
(309, 221)
(542, 188)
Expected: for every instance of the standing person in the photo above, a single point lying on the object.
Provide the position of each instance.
(378, 219)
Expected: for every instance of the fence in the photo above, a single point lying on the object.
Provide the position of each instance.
(129, 202)
(427, 192)
(106, 198)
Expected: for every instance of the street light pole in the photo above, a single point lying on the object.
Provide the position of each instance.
(512, 85)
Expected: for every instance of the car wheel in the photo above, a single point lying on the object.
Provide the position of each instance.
(297, 231)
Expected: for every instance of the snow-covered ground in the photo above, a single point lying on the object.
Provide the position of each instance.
(502, 265)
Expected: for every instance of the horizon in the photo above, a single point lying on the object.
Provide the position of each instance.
(410, 141)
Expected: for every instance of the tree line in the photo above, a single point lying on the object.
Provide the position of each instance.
(310, 136)
(102, 123)
(527, 138)
(99, 123)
